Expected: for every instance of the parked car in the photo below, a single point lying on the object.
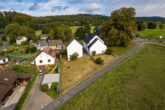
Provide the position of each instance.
(41, 72)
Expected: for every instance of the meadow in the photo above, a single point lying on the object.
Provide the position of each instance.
(137, 83)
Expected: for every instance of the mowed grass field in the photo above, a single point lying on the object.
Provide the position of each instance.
(151, 34)
(137, 83)
(74, 29)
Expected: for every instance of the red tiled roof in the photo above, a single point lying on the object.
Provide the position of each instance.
(49, 51)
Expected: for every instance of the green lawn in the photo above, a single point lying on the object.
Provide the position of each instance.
(152, 33)
(19, 50)
(38, 33)
(137, 83)
(74, 28)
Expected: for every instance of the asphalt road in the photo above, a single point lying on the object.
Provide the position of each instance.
(65, 97)
(36, 98)
(4, 45)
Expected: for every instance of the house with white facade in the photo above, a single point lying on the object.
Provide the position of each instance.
(21, 39)
(74, 46)
(3, 62)
(92, 42)
(45, 58)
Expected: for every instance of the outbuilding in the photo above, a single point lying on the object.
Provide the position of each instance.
(51, 78)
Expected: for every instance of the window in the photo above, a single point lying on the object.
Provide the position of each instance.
(4, 61)
(49, 60)
(40, 61)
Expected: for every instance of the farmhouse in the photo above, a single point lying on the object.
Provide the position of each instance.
(56, 44)
(3, 62)
(21, 39)
(93, 43)
(41, 45)
(44, 36)
(8, 81)
(45, 58)
(51, 78)
(74, 46)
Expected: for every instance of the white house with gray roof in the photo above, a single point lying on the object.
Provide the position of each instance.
(92, 42)
(74, 46)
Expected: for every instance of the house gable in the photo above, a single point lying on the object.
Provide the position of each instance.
(44, 59)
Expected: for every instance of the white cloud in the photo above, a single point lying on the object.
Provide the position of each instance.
(91, 7)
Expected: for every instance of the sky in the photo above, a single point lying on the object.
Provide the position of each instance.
(67, 7)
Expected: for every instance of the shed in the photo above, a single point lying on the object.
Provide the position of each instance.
(50, 78)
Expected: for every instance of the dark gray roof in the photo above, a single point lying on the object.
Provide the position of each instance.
(20, 37)
(89, 37)
(93, 43)
(70, 40)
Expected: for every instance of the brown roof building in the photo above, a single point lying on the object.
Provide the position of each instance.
(8, 81)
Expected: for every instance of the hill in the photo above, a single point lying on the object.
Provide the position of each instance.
(155, 18)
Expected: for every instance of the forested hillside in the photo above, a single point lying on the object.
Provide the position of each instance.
(156, 18)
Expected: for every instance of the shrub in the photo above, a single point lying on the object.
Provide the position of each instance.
(108, 51)
(93, 53)
(44, 87)
(99, 60)
(54, 86)
(23, 43)
(74, 56)
(33, 49)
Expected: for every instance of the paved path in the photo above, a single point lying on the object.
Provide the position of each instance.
(36, 98)
(65, 97)
(14, 98)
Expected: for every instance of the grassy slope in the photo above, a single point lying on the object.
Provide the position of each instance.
(135, 84)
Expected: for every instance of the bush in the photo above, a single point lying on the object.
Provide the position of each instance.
(93, 53)
(108, 51)
(54, 86)
(44, 88)
(2, 53)
(23, 43)
(74, 56)
(31, 49)
(99, 61)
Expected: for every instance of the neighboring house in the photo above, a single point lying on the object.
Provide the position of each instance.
(42, 45)
(97, 29)
(9, 80)
(45, 58)
(3, 62)
(21, 39)
(51, 78)
(93, 43)
(74, 46)
(56, 44)
(44, 36)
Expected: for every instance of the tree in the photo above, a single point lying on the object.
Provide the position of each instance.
(141, 25)
(81, 32)
(3, 37)
(161, 26)
(51, 34)
(46, 29)
(87, 29)
(120, 28)
(74, 56)
(12, 31)
(152, 25)
(108, 51)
